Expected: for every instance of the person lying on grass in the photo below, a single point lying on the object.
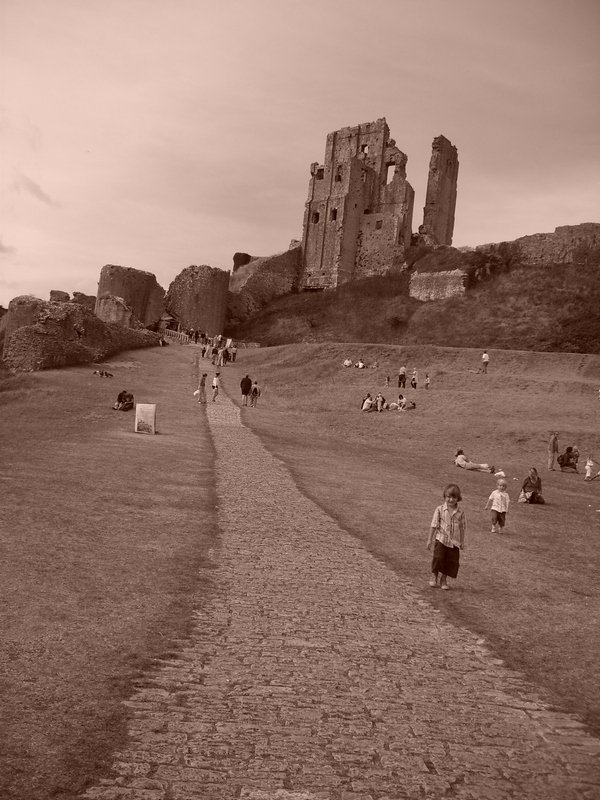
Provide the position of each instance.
(463, 462)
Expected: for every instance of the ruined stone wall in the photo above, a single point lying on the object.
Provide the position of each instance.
(87, 300)
(363, 174)
(437, 285)
(559, 247)
(58, 296)
(198, 298)
(115, 311)
(45, 335)
(440, 200)
(138, 289)
(257, 283)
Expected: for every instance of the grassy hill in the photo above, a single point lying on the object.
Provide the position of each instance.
(549, 308)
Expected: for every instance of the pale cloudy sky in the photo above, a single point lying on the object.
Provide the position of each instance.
(159, 134)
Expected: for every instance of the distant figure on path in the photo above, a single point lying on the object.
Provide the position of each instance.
(499, 502)
(485, 360)
(402, 378)
(202, 388)
(552, 450)
(124, 401)
(414, 379)
(216, 382)
(245, 386)
(463, 462)
(254, 394)
(531, 490)
(448, 532)
(567, 461)
(233, 350)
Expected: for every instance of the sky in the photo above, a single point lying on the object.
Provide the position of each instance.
(158, 135)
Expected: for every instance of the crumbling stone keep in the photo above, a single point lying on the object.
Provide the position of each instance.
(197, 298)
(440, 200)
(358, 216)
(139, 290)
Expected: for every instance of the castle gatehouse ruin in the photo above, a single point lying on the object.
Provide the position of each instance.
(358, 216)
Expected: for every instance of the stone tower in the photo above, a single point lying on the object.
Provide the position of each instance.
(440, 201)
(358, 216)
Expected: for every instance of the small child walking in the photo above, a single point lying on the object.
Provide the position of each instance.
(499, 502)
(447, 534)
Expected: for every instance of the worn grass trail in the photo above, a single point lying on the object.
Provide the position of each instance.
(314, 671)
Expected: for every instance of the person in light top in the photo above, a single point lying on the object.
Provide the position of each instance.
(447, 534)
(499, 502)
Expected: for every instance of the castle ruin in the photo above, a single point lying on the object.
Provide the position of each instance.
(358, 216)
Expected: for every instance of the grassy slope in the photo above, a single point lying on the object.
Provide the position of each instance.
(102, 531)
(537, 308)
(534, 592)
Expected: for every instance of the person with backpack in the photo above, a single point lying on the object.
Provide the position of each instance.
(254, 394)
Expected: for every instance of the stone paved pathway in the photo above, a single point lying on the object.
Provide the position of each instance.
(315, 673)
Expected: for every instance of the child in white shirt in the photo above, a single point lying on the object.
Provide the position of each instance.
(588, 468)
(499, 501)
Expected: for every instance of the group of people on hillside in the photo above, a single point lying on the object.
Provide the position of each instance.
(219, 353)
(379, 403)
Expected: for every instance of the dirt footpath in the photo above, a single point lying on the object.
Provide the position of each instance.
(314, 671)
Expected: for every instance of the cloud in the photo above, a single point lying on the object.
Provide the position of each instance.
(6, 250)
(25, 183)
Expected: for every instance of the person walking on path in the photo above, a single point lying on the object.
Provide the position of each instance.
(202, 388)
(552, 450)
(485, 360)
(245, 386)
(254, 394)
(499, 502)
(216, 382)
(447, 534)
(402, 378)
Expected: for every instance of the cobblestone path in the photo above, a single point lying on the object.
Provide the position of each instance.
(315, 672)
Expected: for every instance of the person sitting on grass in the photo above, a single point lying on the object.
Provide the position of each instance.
(347, 362)
(367, 402)
(567, 461)
(360, 364)
(124, 401)
(531, 491)
(463, 462)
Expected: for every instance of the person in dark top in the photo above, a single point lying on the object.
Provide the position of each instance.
(245, 386)
(124, 401)
(568, 461)
(531, 490)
